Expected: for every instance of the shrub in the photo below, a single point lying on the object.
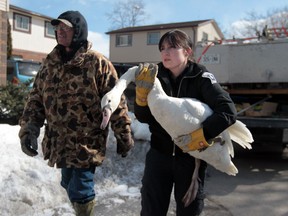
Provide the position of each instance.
(12, 101)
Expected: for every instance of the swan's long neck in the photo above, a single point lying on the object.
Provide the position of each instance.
(112, 98)
(110, 101)
(157, 89)
(125, 80)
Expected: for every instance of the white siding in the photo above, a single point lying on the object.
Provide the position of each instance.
(140, 51)
(210, 30)
(4, 5)
(34, 41)
(265, 62)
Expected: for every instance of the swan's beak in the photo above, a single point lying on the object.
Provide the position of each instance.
(106, 114)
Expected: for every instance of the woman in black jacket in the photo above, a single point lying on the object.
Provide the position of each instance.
(166, 165)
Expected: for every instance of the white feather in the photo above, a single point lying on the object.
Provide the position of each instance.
(188, 115)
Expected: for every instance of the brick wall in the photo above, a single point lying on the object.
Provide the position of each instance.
(3, 46)
(28, 55)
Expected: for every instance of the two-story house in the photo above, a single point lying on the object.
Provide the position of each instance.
(140, 44)
(33, 35)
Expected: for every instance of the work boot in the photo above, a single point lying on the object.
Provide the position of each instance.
(86, 209)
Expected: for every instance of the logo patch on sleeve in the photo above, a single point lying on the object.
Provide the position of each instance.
(209, 76)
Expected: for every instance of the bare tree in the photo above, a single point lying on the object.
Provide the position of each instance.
(254, 23)
(278, 18)
(127, 13)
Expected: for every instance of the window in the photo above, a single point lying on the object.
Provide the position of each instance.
(153, 38)
(204, 37)
(22, 23)
(124, 40)
(49, 30)
(28, 68)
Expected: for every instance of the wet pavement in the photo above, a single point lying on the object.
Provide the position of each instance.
(259, 189)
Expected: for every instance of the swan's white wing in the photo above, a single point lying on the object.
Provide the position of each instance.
(240, 134)
(218, 156)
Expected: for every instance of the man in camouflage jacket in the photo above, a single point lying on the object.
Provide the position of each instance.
(66, 98)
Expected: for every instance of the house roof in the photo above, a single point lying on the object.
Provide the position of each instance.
(21, 10)
(160, 26)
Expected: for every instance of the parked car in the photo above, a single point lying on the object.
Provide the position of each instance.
(22, 71)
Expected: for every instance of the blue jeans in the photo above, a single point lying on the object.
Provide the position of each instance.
(79, 184)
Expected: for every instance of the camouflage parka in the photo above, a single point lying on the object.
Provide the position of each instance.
(66, 99)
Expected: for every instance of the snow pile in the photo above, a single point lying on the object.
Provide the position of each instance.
(30, 187)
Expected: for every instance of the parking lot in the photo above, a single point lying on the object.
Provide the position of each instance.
(260, 188)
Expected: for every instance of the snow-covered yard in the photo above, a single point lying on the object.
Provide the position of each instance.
(30, 187)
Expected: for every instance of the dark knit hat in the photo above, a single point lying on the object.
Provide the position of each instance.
(76, 20)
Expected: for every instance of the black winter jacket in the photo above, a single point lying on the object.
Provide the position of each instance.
(194, 82)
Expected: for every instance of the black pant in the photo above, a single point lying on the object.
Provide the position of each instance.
(162, 172)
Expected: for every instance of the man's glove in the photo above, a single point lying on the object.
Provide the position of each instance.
(144, 80)
(28, 138)
(29, 145)
(124, 144)
(193, 141)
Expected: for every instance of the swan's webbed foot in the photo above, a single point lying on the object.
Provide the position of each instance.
(191, 193)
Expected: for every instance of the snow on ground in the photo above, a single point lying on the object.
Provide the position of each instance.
(29, 187)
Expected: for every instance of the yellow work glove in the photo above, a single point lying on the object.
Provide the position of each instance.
(144, 80)
(193, 141)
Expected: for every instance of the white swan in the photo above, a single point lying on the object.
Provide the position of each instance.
(189, 113)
